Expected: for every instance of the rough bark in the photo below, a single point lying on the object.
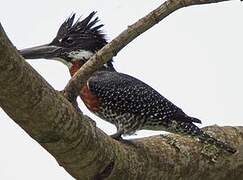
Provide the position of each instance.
(88, 153)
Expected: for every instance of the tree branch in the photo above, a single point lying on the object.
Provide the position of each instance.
(133, 31)
(88, 153)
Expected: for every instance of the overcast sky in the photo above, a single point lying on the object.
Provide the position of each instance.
(193, 57)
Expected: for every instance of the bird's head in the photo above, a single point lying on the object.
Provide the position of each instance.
(73, 45)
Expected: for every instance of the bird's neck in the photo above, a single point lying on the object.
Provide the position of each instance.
(77, 64)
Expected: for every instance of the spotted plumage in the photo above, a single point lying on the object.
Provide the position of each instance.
(122, 95)
(132, 105)
(120, 99)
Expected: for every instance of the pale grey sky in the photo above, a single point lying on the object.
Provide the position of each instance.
(193, 57)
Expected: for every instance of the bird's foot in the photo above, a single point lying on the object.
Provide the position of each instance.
(121, 140)
(116, 136)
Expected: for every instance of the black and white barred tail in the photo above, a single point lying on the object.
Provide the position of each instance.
(187, 128)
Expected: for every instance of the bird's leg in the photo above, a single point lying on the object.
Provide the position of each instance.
(117, 135)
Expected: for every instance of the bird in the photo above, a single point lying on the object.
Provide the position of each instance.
(118, 98)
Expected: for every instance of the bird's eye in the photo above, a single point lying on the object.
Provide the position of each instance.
(69, 40)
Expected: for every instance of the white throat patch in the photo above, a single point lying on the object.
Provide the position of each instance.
(80, 54)
(75, 55)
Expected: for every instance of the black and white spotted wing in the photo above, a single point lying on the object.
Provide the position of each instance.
(122, 94)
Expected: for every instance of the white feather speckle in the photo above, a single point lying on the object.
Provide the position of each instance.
(80, 54)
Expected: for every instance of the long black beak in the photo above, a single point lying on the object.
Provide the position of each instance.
(44, 51)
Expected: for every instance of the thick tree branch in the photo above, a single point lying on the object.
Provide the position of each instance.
(88, 153)
(133, 31)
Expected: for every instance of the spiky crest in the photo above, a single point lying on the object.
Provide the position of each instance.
(72, 33)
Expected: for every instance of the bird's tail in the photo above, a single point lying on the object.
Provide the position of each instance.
(204, 137)
(188, 128)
